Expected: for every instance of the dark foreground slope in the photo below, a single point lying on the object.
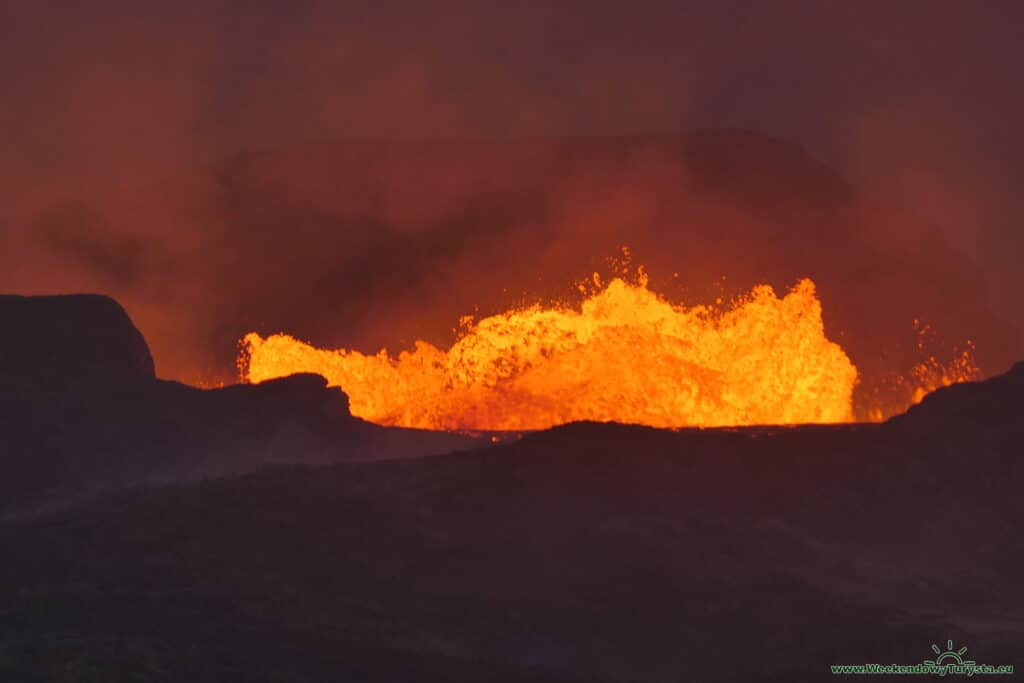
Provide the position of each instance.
(82, 412)
(589, 552)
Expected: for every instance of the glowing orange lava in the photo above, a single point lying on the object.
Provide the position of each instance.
(625, 355)
(927, 375)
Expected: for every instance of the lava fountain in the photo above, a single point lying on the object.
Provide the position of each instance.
(624, 355)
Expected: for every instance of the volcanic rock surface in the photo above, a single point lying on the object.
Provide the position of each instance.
(596, 552)
(66, 341)
(81, 412)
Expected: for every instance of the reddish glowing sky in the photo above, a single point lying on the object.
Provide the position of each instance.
(124, 121)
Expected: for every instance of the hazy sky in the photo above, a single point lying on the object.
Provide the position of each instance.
(918, 101)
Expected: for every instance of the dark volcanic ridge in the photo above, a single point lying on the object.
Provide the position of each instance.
(599, 552)
(83, 412)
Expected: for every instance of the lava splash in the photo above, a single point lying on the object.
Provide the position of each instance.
(625, 355)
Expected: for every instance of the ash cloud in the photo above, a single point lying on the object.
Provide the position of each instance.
(362, 175)
(73, 232)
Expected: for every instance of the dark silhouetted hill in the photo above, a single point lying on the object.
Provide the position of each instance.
(997, 403)
(595, 552)
(81, 412)
(51, 342)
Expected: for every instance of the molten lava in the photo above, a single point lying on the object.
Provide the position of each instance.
(625, 355)
(925, 376)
